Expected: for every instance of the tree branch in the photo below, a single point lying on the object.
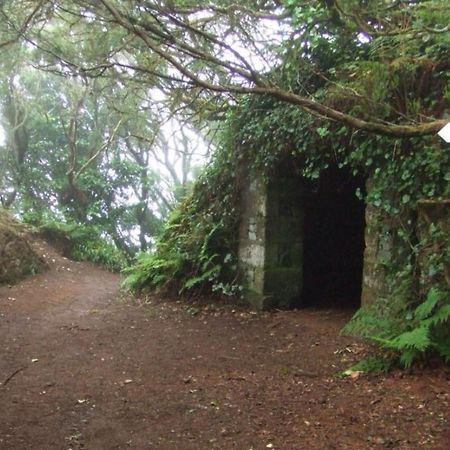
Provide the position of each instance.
(20, 31)
(99, 151)
(262, 87)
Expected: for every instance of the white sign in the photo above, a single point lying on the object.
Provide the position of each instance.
(445, 133)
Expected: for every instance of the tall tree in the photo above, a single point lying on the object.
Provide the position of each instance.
(86, 150)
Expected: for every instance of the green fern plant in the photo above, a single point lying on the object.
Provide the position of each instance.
(423, 331)
(150, 270)
(371, 364)
(430, 330)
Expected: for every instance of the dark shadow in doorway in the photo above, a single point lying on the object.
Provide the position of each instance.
(334, 226)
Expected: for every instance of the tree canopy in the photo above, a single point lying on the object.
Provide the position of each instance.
(87, 151)
(385, 54)
(89, 87)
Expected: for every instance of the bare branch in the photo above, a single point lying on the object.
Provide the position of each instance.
(25, 25)
(101, 149)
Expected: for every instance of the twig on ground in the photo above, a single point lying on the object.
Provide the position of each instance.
(10, 377)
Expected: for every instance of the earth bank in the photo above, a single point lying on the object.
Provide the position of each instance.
(18, 257)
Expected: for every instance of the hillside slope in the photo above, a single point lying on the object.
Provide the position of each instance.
(18, 255)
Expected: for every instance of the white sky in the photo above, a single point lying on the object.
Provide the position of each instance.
(2, 132)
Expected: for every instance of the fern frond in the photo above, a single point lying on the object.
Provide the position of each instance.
(417, 339)
(426, 308)
(441, 316)
(408, 356)
(205, 276)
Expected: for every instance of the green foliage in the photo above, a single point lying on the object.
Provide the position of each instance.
(84, 243)
(372, 364)
(87, 155)
(150, 270)
(411, 334)
(197, 246)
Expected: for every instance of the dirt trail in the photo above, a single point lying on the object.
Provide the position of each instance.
(81, 368)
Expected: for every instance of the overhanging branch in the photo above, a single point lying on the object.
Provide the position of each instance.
(261, 87)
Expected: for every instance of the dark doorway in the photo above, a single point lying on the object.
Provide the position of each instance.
(333, 240)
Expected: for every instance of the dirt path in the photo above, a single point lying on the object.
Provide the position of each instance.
(82, 369)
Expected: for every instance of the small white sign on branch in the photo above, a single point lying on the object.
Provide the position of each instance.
(444, 133)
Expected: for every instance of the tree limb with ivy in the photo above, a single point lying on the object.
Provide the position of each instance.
(221, 48)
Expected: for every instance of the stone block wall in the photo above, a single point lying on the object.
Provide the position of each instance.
(377, 250)
(434, 231)
(284, 241)
(270, 249)
(252, 240)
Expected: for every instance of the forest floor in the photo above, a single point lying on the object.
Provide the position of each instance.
(82, 367)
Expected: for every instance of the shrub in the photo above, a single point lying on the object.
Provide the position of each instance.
(84, 243)
(411, 334)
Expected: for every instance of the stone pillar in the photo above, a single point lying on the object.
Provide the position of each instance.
(434, 233)
(252, 241)
(271, 241)
(377, 250)
(382, 248)
(284, 241)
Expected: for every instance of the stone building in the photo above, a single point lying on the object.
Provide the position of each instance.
(305, 243)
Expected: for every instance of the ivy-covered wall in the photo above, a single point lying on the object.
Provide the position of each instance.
(377, 249)
(434, 232)
(199, 247)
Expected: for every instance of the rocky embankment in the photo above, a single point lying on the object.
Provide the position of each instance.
(18, 257)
